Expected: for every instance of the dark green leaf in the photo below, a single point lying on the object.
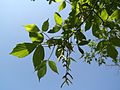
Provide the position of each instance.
(88, 25)
(58, 41)
(112, 52)
(42, 70)
(80, 36)
(52, 41)
(53, 66)
(36, 37)
(23, 49)
(38, 56)
(110, 24)
(55, 29)
(58, 18)
(102, 45)
(45, 25)
(68, 45)
(84, 42)
(96, 30)
(31, 28)
(115, 41)
(80, 50)
(59, 51)
(62, 5)
(41, 65)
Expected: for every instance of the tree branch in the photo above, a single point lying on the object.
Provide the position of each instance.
(98, 16)
(88, 15)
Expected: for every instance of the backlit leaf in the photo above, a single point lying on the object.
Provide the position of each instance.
(31, 28)
(36, 37)
(23, 49)
(62, 6)
(115, 15)
(58, 18)
(104, 14)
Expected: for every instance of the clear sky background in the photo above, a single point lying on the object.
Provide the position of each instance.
(18, 74)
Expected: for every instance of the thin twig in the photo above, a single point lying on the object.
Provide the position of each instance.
(46, 35)
(98, 16)
(88, 15)
(51, 52)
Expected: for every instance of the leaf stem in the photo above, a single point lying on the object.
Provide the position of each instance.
(46, 35)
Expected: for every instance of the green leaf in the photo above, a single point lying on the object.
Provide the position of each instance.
(45, 25)
(58, 18)
(96, 30)
(23, 49)
(68, 45)
(79, 36)
(53, 41)
(62, 6)
(42, 70)
(102, 45)
(41, 65)
(80, 49)
(110, 24)
(88, 25)
(115, 41)
(84, 42)
(115, 15)
(55, 29)
(36, 37)
(31, 28)
(112, 52)
(38, 56)
(58, 52)
(104, 14)
(53, 66)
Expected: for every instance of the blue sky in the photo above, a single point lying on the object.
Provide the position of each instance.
(18, 74)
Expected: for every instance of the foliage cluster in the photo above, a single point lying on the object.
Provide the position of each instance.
(101, 17)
